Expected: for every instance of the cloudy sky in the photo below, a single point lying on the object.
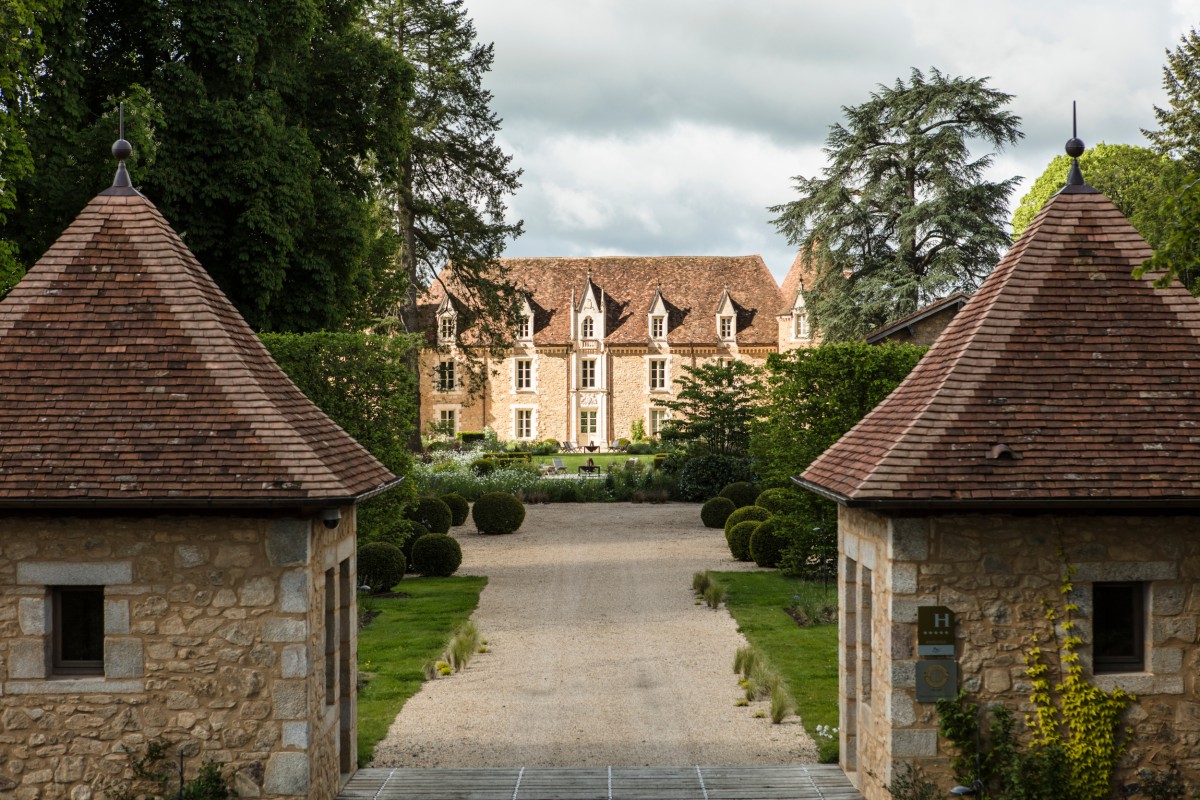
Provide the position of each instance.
(667, 127)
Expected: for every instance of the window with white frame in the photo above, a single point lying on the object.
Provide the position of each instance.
(802, 331)
(587, 422)
(658, 374)
(658, 418)
(523, 423)
(448, 420)
(588, 328)
(524, 327)
(587, 373)
(658, 327)
(725, 328)
(523, 374)
(445, 376)
(447, 327)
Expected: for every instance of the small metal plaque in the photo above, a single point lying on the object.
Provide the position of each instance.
(935, 650)
(936, 679)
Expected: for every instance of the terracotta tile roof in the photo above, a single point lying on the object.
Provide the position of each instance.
(950, 303)
(1088, 375)
(691, 287)
(127, 379)
(801, 274)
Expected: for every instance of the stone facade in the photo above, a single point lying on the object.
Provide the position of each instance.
(994, 571)
(231, 637)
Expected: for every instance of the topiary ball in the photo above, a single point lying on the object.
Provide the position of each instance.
(417, 530)
(436, 555)
(742, 514)
(715, 511)
(483, 466)
(739, 538)
(496, 512)
(460, 509)
(433, 514)
(767, 543)
(777, 501)
(380, 566)
(741, 493)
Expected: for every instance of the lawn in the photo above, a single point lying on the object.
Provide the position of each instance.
(805, 657)
(572, 461)
(394, 647)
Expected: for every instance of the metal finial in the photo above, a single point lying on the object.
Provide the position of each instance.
(1075, 148)
(121, 150)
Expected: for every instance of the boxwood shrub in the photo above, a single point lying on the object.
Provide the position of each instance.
(380, 566)
(767, 543)
(436, 555)
(497, 512)
(777, 501)
(749, 512)
(433, 514)
(738, 538)
(742, 493)
(715, 511)
(460, 509)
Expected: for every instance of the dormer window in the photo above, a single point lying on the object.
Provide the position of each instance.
(447, 327)
(524, 327)
(801, 325)
(725, 328)
(658, 327)
(588, 328)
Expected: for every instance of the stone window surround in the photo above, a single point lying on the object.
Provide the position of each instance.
(726, 327)
(453, 409)
(665, 361)
(524, 327)
(658, 327)
(445, 377)
(531, 386)
(650, 414)
(516, 414)
(587, 328)
(447, 327)
(592, 415)
(29, 658)
(591, 381)
(801, 332)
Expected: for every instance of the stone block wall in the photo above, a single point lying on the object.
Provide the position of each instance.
(994, 572)
(216, 633)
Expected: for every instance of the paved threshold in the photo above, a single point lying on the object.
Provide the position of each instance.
(801, 782)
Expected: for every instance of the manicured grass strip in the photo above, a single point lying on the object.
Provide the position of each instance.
(573, 461)
(395, 646)
(805, 657)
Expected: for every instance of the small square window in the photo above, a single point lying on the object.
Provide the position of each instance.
(1119, 627)
(78, 642)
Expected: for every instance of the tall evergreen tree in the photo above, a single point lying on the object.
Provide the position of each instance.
(1179, 124)
(256, 119)
(448, 193)
(903, 214)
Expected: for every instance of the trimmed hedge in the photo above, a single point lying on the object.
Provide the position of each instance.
(738, 538)
(715, 511)
(460, 509)
(767, 543)
(483, 466)
(749, 512)
(433, 514)
(436, 555)
(704, 476)
(741, 493)
(498, 513)
(380, 566)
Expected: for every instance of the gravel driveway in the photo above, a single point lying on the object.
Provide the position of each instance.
(599, 655)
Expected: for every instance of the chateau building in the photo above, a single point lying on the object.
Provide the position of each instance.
(601, 342)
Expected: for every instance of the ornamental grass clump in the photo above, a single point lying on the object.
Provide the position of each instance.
(436, 555)
(497, 513)
(701, 581)
(715, 511)
(714, 595)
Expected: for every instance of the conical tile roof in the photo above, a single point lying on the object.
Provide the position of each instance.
(127, 379)
(1063, 381)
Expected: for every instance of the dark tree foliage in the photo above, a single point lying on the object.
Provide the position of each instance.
(1179, 124)
(713, 409)
(903, 214)
(250, 122)
(448, 192)
(20, 51)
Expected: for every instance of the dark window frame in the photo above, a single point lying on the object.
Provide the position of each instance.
(60, 665)
(1134, 634)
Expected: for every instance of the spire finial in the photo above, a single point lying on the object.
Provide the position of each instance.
(121, 150)
(1075, 148)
